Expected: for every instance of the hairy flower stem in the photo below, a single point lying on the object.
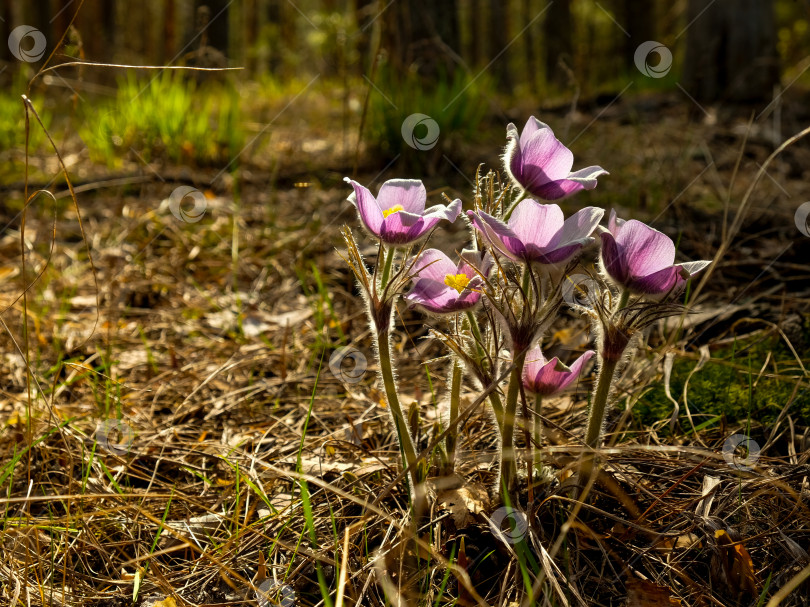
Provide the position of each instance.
(389, 262)
(604, 381)
(455, 398)
(538, 435)
(508, 465)
(497, 407)
(403, 434)
(607, 370)
(527, 276)
(596, 416)
(494, 398)
(515, 202)
(476, 331)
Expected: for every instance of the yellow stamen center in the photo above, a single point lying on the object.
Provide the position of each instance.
(457, 281)
(394, 209)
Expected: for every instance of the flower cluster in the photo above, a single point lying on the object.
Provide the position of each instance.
(497, 298)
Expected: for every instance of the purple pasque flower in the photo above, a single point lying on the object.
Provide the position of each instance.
(540, 164)
(539, 232)
(397, 216)
(443, 287)
(548, 377)
(642, 260)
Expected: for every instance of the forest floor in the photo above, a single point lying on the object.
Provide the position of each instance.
(177, 436)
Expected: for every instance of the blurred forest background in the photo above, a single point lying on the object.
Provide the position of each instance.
(369, 64)
(528, 45)
(463, 63)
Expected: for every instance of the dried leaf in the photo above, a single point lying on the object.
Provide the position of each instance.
(464, 503)
(643, 593)
(737, 567)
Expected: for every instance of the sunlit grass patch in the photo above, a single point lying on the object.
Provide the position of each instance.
(166, 116)
(453, 110)
(755, 379)
(12, 121)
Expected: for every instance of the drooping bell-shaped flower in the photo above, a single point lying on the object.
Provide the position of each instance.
(548, 377)
(540, 164)
(397, 216)
(443, 287)
(642, 260)
(539, 232)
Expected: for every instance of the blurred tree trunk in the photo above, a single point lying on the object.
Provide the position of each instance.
(422, 36)
(441, 19)
(499, 37)
(638, 19)
(96, 41)
(5, 30)
(42, 21)
(530, 73)
(218, 26)
(365, 12)
(558, 41)
(251, 34)
(169, 47)
(479, 33)
(731, 50)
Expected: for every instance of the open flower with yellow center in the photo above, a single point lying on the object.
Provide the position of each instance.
(397, 216)
(394, 209)
(458, 282)
(443, 287)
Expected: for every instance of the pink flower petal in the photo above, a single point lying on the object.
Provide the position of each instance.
(614, 223)
(690, 268)
(470, 258)
(498, 234)
(534, 362)
(367, 207)
(544, 158)
(537, 225)
(612, 259)
(641, 258)
(584, 179)
(656, 283)
(410, 194)
(563, 253)
(644, 249)
(435, 265)
(587, 176)
(550, 377)
(576, 368)
(530, 128)
(403, 228)
(581, 225)
(438, 298)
